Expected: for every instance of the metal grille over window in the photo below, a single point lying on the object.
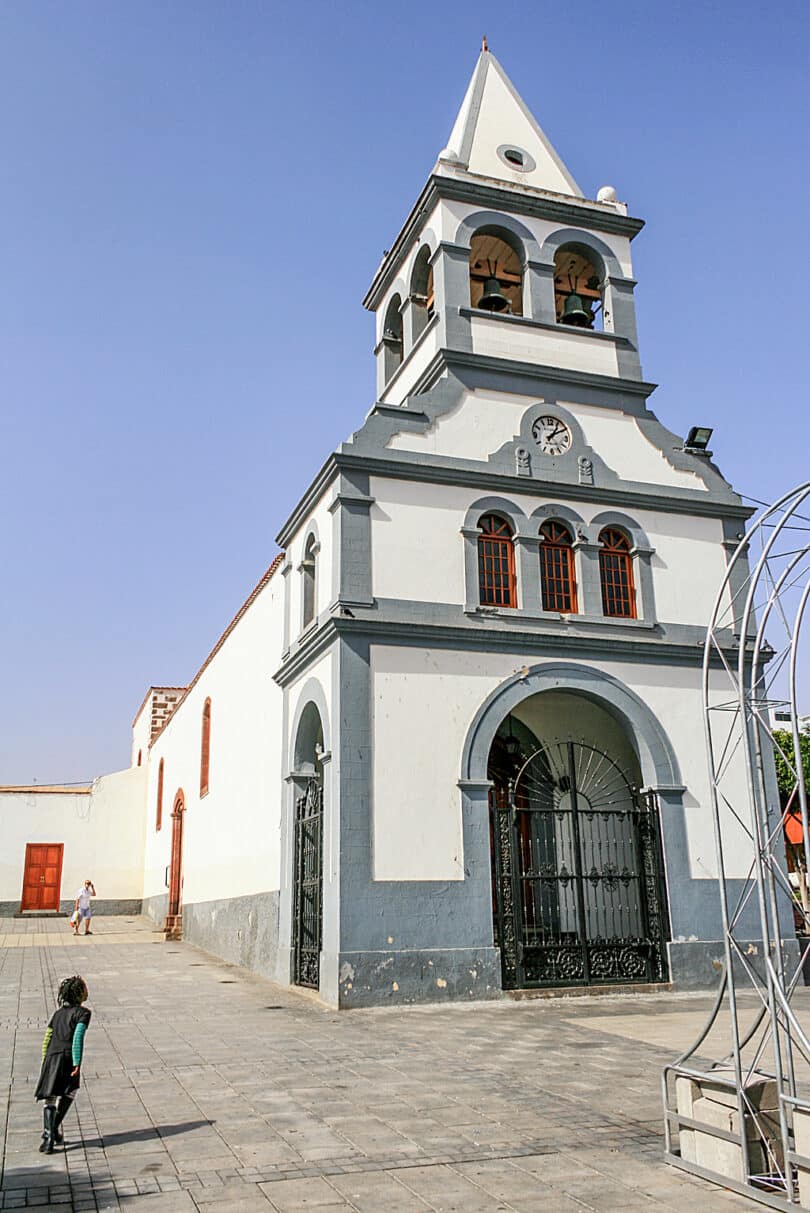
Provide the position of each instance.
(557, 569)
(496, 563)
(616, 574)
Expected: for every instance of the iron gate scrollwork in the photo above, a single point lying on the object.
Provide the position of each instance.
(307, 904)
(578, 887)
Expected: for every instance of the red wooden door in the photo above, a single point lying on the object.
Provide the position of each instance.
(173, 918)
(42, 878)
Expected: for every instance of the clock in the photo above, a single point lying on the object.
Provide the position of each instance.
(551, 435)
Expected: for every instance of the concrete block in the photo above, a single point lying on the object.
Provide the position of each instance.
(687, 1092)
(801, 1136)
(725, 1157)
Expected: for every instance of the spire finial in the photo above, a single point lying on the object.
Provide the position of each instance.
(484, 44)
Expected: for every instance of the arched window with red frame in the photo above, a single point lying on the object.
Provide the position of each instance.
(205, 747)
(557, 580)
(496, 562)
(159, 809)
(616, 574)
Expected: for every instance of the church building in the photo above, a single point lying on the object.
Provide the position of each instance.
(452, 744)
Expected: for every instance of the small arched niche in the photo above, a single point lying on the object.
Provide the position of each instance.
(496, 271)
(579, 286)
(422, 295)
(392, 336)
(309, 743)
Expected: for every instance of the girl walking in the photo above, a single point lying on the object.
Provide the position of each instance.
(62, 1050)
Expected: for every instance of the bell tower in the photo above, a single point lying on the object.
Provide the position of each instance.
(504, 257)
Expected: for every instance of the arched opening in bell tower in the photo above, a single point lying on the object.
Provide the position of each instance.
(577, 884)
(579, 285)
(392, 336)
(421, 293)
(496, 271)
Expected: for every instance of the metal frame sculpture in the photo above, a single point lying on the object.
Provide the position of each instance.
(751, 1130)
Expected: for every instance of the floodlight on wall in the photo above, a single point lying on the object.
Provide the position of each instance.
(698, 438)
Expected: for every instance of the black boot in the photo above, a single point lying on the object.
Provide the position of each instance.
(61, 1111)
(49, 1116)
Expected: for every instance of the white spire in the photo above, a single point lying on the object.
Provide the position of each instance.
(493, 122)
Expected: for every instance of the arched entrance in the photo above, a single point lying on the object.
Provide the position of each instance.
(174, 916)
(307, 921)
(577, 879)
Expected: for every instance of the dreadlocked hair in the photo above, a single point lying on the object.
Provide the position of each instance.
(72, 992)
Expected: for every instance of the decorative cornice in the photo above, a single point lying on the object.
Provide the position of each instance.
(449, 359)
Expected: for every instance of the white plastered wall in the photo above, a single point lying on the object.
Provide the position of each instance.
(418, 550)
(424, 701)
(102, 832)
(231, 835)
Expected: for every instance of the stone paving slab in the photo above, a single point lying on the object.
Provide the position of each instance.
(207, 1088)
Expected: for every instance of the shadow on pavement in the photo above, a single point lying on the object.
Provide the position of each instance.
(151, 1134)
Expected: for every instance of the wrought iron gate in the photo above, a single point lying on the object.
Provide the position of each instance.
(307, 909)
(579, 895)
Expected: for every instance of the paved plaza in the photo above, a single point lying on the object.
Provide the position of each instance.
(208, 1088)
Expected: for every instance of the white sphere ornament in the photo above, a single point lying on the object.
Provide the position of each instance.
(607, 194)
(448, 153)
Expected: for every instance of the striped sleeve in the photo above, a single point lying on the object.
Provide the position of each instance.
(77, 1045)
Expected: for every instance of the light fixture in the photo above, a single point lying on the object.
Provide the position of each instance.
(698, 438)
(511, 743)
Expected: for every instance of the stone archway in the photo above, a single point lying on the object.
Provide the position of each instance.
(307, 902)
(578, 885)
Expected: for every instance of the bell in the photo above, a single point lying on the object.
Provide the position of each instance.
(493, 298)
(574, 313)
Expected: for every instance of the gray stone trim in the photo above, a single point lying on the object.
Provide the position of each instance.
(439, 469)
(491, 629)
(740, 576)
(128, 907)
(696, 964)
(642, 554)
(311, 692)
(394, 977)
(351, 542)
(451, 285)
(577, 213)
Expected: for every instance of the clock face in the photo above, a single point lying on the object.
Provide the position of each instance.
(551, 435)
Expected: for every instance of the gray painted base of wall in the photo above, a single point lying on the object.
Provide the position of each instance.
(241, 930)
(373, 979)
(127, 907)
(698, 964)
(156, 908)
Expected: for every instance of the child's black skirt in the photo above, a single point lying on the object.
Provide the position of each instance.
(57, 1076)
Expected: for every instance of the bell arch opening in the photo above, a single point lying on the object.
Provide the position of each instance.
(579, 287)
(496, 271)
(577, 872)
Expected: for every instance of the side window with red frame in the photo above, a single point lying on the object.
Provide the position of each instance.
(616, 574)
(557, 580)
(205, 747)
(159, 809)
(496, 562)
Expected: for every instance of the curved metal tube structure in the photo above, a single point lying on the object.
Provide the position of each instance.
(761, 1074)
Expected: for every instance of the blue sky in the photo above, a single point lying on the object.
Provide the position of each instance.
(195, 197)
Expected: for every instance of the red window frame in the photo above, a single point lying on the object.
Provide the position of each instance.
(616, 574)
(557, 581)
(159, 809)
(496, 563)
(205, 748)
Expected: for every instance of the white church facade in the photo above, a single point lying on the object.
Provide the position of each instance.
(452, 744)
